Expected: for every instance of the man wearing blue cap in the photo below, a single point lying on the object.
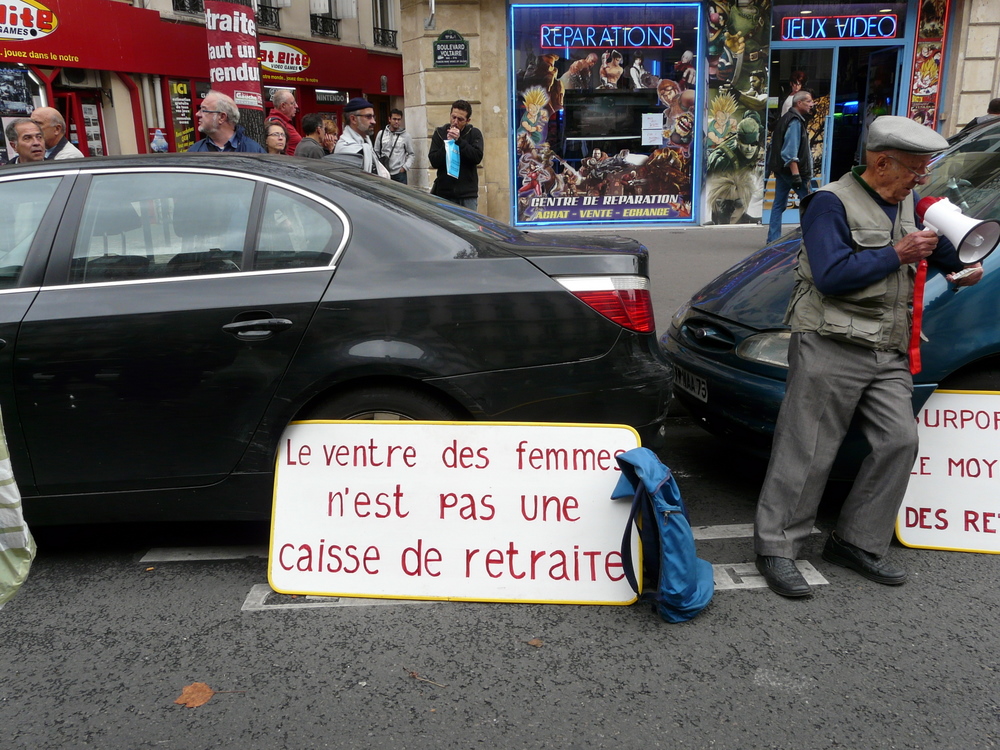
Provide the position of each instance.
(359, 124)
(850, 316)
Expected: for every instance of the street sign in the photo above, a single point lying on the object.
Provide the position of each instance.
(451, 50)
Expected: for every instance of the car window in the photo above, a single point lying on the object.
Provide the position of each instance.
(160, 225)
(22, 205)
(968, 175)
(295, 233)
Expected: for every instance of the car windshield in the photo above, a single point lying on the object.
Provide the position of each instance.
(968, 174)
(430, 207)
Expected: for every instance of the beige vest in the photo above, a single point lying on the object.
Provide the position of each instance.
(877, 316)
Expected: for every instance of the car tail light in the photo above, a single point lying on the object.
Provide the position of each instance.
(623, 299)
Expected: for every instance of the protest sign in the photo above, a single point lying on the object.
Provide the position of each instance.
(951, 501)
(471, 510)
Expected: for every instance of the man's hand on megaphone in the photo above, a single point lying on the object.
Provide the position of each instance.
(916, 246)
(967, 276)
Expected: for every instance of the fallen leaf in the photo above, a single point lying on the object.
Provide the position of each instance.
(416, 676)
(194, 695)
(536, 642)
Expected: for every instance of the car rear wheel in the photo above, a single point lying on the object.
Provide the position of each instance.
(385, 403)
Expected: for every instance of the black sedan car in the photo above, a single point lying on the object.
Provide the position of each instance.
(163, 318)
(729, 343)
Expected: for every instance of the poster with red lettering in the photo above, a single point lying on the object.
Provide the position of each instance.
(234, 68)
(951, 501)
(470, 511)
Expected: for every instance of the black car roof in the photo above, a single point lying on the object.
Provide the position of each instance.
(255, 163)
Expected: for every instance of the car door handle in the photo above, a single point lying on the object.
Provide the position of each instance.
(259, 328)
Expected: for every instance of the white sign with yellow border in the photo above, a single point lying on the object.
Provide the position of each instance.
(953, 499)
(473, 511)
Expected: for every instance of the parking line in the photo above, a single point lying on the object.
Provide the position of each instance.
(257, 600)
(745, 576)
(192, 554)
(731, 531)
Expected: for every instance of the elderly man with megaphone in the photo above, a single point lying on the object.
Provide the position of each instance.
(854, 343)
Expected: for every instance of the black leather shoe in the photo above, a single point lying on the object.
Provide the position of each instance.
(877, 569)
(782, 576)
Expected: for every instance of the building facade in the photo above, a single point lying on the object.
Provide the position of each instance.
(598, 114)
(119, 71)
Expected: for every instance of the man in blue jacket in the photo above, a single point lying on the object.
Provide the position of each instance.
(850, 315)
(791, 158)
(219, 122)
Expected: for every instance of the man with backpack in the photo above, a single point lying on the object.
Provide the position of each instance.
(394, 147)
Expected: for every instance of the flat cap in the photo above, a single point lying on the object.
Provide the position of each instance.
(357, 103)
(903, 134)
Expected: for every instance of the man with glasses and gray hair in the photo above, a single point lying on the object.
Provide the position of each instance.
(359, 124)
(25, 140)
(853, 350)
(219, 121)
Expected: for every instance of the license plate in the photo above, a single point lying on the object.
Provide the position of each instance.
(691, 383)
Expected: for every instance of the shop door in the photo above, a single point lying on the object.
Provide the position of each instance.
(84, 120)
(791, 71)
(851, 86)
(867, 87)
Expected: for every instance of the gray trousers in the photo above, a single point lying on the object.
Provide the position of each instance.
(828, 382)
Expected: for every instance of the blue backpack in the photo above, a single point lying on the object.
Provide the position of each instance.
(684, 583)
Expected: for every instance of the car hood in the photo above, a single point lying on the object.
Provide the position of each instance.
(755, 292)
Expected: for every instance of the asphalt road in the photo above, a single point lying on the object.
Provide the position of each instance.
(113, 623)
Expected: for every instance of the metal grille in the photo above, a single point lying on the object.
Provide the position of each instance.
(189, 6)
(385, 37)
(325, 26)
(269, 18)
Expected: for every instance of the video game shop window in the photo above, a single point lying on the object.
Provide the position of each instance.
(605, 113)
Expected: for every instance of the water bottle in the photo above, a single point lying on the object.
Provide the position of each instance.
(159, 143)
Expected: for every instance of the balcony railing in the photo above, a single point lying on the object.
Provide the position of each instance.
(269, 18)
(189, 6)
(385, 37)
(325, 26)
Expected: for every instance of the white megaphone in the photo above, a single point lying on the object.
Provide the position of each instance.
(974, 239)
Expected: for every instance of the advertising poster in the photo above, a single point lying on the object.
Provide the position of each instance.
(605, 112)
(233, 57)
(15, 101)
(737, 59)
(928, 56)
(180, 107)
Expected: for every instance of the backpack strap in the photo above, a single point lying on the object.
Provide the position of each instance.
(643, 516)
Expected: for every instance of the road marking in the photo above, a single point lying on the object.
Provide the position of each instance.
(745, 576)
(731, 531)
(192, 554)
(257, 600)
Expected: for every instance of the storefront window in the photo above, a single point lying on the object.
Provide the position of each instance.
(605, 112)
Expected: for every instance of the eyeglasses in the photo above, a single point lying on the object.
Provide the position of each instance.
(209, 111)
(368, 117)
(276, 135)
(915, 173)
